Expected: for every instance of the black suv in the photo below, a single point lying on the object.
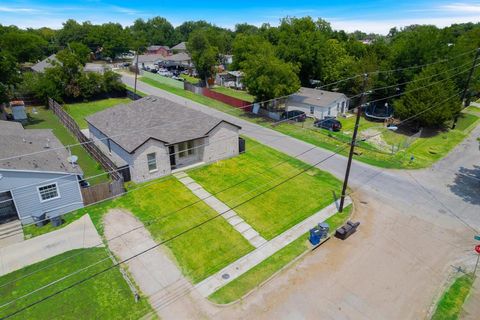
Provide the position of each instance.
(329, 124)
(294, 115)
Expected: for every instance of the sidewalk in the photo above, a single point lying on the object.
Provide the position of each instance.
(242, 265)
(78, 234)
(230, 215)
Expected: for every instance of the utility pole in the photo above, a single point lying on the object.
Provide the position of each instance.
(354, 141)
(465, 90)
(136, 75)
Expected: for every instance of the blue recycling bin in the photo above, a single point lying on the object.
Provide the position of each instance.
(315, 236)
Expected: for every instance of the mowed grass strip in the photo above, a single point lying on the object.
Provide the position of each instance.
(79, 111)
(264, 270)
(46, 119)
(276, 210)
(450, 305)
(239, 94)
(107, 296)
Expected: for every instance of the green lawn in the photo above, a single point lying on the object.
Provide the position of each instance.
(425, 151)
(277, 210)
(141, 94)
(239, 94)
(200, 252)
(46, 119)
(264, 270)
(79, 111)
(473, 109)
(450, 304)
(106, 296)
(190, 79)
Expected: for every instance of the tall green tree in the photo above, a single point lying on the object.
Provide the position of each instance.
(204, 55)
(24, 46)
(267, 77)
(432, 97)
(8, 75)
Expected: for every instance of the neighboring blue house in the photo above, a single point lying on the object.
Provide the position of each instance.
(44, 182)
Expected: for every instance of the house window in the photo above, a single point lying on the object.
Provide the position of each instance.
(329, 110)
(343, 106)
(338, 106)
(312, 109)
(185, 148)
(109, 146)
(152, 161)
(48, 192)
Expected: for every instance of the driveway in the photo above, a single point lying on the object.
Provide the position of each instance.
(79, 234)
(155, 271)
(416, 225)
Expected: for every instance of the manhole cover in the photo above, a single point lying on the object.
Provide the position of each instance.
(225, 276)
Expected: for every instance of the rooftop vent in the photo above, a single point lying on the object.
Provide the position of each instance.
(47, 145)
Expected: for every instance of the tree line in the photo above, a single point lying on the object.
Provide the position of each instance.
(277, 60)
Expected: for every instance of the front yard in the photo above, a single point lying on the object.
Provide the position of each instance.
(277, 210)
(46, 119)
(106, 296)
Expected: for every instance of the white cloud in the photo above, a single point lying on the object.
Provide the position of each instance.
(383, 26)
(462, 7)
(18, 10)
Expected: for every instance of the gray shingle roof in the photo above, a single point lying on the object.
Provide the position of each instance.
(180, 46)
(45, 63)
(148, 58)
(15, 140)
(315, 97)
(168, 121)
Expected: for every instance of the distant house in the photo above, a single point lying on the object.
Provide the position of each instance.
(181, 59)
(318, 103)
(95, 67)
(177, 137)
(231, 79)
(163, 50)
(148, 61)
(40, 183)
(181, 47)
(45, 63)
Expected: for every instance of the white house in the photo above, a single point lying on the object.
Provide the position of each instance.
(318, 103)
(153, 136)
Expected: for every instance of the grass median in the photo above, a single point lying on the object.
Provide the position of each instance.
(451, 302)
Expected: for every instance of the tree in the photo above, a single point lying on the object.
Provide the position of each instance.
(434, 104)
(267, 77)
(8, 75)
(204, 55)
(154, 31)
(24, 46)
(248, 44)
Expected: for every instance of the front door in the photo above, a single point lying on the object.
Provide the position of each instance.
(8, 212)
(171, 151)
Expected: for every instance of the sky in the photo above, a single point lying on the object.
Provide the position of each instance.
(350, 15)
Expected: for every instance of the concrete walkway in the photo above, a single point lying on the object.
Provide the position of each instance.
(245, 263)
(231, 216)
(155, 272)
(78, 234)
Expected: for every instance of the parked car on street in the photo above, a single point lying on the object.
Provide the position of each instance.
(294, 115)
(331, 124)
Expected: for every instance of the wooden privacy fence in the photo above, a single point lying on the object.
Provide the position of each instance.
(234, 102)
(102, 191)
(87, 144)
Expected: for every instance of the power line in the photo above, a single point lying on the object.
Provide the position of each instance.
(185, 231)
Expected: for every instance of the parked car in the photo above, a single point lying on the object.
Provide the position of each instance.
(329, 124)
(294, 115)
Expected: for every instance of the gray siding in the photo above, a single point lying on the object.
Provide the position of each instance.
(23, 186)
(118, 155)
